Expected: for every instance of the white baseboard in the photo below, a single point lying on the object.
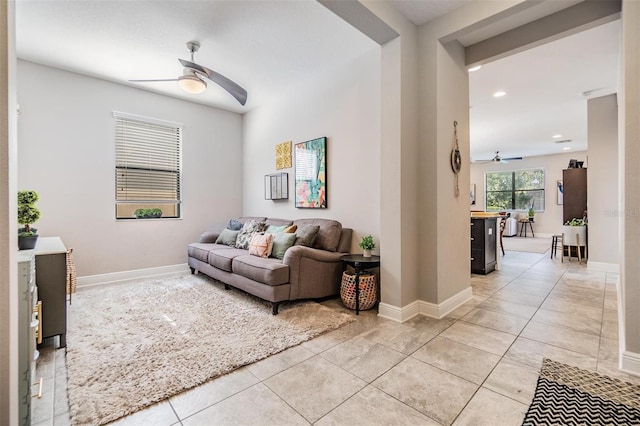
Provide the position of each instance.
(89, 281)
(424, 308)
(603, 267)
(630, 363)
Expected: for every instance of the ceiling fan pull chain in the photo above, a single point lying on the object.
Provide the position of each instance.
(456, 160)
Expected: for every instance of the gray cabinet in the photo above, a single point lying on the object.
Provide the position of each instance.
(483, 245)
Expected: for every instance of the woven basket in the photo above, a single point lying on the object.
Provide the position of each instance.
(368, 290)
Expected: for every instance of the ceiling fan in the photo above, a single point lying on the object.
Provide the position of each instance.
(499, 159)
(193, 77)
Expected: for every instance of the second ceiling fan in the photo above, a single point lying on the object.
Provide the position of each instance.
(498, 159)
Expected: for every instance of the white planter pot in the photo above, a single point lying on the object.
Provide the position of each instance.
(572, 233)
(366, 253)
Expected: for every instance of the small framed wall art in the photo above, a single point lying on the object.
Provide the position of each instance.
(283, 155)
(311, 174)
(276, 186)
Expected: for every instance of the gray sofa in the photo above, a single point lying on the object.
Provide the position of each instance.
(303, 273)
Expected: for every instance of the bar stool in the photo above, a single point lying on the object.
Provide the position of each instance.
(557, 240)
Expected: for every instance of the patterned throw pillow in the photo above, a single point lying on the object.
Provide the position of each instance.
(261, 245)
(249, 228)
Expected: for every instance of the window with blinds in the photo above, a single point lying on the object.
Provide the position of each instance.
(147, 166)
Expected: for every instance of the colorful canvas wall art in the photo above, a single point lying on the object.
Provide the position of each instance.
(311, 174)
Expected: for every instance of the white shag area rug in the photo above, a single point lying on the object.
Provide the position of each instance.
(132, 345)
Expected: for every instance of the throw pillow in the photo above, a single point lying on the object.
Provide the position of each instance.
(261, 245)
(275, 229)
(228, 237)
(234, 225)
(249, 228)
(281, 243)
(306, 235)
(290, 229)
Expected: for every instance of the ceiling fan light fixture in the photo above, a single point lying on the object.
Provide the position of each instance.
(192, 84)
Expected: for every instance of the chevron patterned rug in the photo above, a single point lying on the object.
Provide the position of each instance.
(567, 395)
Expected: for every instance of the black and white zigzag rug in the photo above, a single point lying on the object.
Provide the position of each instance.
(567, 395)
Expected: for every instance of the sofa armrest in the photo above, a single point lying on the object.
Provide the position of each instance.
(209, 237)
(294, 253)
(313, 273)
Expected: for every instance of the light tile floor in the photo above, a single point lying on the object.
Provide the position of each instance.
(477, 366)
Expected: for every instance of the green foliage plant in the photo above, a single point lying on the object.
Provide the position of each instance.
(28, 213)
(147, 213)
(576, 222)
(367, 243)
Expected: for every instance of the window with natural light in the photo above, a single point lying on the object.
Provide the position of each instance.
(147, 165)
(515, 190)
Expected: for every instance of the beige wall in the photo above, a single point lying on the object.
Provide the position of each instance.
(602, 182)
(66, 153)
(8, 221)
(548, 222)
(343, 106)
(629, 185)
(399, 160)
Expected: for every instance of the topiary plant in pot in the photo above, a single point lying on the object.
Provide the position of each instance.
(28, 213)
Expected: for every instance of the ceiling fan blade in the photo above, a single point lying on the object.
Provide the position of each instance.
(236, 91)
(513, 158)
(150, 81)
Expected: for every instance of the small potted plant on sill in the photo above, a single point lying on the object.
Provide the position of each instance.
(148, 213)
(28, 213)
(367, 244)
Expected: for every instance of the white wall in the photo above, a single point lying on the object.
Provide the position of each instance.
(602, 183)
(547, 222)
(344, 107)
(66, 153)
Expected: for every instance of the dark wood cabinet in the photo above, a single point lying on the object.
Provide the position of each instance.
(483, 245)
(51, 278)
(575, 194)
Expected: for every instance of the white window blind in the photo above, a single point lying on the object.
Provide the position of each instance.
(147, 166)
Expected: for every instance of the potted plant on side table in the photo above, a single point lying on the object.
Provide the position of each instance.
(367, 244)
(28, 213)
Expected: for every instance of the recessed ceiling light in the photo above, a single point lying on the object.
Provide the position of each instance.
(476, 68)
(566, 148)
(499, 94)
(558, 136)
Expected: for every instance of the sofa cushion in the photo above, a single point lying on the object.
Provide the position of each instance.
(228, 237)
(264, 270)
(328, 237)
(201, 251)
(306, 234)
(278, 222)
(281, 243)
(244, 219)
(249, 228)
(222, 259)
(261, 244)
